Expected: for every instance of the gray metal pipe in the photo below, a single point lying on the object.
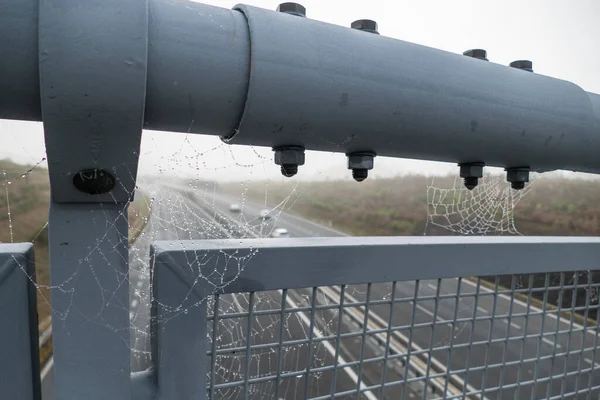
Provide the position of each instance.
(264, 78)
(331, 88)
(198, 66)
(19, 68)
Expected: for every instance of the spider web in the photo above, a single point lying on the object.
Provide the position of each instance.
(197, 206)
(486, 210)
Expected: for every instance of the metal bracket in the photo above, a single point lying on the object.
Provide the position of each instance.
(93, 60)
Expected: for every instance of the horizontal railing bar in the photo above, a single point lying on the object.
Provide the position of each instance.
(308, 262)
(290, 374)
(420, 325)
(336, 307)
(299, 342)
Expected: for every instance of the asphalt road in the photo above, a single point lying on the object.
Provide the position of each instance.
(552, 347)
(180, 216)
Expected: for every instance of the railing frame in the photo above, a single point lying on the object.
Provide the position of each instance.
(19, 349)
(185, 273)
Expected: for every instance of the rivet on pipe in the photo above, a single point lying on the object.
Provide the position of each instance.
(479, 54)
(366, 25)
(293, 9)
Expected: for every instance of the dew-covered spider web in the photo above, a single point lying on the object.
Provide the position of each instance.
(486, 210)
(181, 196)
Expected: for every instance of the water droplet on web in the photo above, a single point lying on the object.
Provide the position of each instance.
(185, 311)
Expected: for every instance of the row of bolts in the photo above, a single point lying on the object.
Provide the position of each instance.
(290, 157)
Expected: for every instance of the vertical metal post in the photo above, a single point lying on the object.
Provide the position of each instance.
(92, 90)
(179, 302)
(90, 301)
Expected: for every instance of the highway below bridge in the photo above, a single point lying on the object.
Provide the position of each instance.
(183, 214)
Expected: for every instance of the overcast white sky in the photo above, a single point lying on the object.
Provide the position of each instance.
(560, 37)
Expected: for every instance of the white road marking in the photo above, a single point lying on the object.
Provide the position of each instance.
(47, 368)
(433, 287)
(591, 362)
(552, 343)
(237, 303)
(531, 307)
(369, 395)
(483, 310)
(516, 326)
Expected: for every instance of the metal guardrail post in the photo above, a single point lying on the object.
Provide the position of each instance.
(20, 366)
(180, 371)
(92, 68)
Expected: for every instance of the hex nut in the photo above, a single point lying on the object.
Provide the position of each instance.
(517, 174)
(292, 155)
(480, 54)
(292, 8)
(471, 170)
(525, 65)
(367, 25)
(361, 161)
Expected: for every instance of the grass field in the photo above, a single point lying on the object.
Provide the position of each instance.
(24, 199)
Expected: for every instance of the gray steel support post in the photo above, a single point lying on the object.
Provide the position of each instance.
(92, 65)
(19, 355)
(90, 301)
(178, 353)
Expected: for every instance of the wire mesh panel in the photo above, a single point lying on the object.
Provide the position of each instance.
(536, 337)
(268, 336)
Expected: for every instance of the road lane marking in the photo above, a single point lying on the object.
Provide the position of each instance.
(47, 368)
(433, 287)
(552, 343)
(516, 326)
(589, 361)
(377, 320)
(483, 310)
(531, 307)
(348, 370)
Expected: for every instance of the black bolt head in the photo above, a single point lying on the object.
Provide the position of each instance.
(480, 54)
(518, 185)
(289, 170)
(94, 181)
(360, 174)
(367, 25)
(525, 65)
(292, 8)
(471, 182)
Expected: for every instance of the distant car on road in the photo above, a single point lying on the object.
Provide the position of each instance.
(236, 208)
(280, 233)
(264, 214)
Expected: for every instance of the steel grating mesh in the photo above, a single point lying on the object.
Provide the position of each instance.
(515, 336)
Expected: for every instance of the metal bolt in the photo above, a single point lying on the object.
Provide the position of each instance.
(366, 25)
(480, 54)
(289, 157)
(292, 9)
(517, 177)
(360, 164)
(471, 172)
(94, 181)
(525, 65)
